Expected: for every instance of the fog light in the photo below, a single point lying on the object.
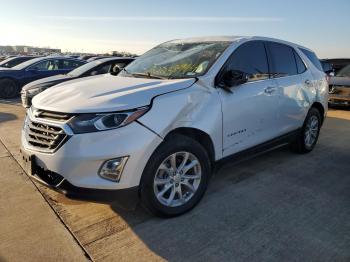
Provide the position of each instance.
(112, 169)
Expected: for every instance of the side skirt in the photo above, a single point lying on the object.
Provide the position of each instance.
(258, 149)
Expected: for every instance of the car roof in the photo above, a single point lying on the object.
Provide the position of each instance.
(234, 39)
(35, 60)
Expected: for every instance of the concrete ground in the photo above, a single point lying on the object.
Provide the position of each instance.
(278, 206)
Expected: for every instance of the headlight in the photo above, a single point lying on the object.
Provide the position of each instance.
(85, 123)
(35, 91)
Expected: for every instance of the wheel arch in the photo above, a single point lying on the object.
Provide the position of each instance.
(10, 78)
(200, 136)
(320, 108)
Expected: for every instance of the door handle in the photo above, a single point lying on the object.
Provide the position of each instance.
(308, 82)
(269, 90)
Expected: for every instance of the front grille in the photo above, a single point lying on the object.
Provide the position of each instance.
(53, 116)
(44, 137)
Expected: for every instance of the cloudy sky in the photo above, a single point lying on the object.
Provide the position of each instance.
(136, 26)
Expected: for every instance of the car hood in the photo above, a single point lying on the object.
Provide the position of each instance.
(339, 81)
(47, 82)
(105, 93)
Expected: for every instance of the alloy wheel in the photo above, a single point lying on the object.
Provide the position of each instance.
(177, 179)
(311, 131)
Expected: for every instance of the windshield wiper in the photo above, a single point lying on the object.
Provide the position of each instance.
(147, 75)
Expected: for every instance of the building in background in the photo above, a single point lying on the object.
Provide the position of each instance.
(28, 50)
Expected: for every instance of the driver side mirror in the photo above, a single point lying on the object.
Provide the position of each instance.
(233, 78)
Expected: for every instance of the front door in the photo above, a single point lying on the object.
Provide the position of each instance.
(250, 111)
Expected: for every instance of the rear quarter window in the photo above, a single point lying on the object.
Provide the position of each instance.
(312, 57)
(300, 64)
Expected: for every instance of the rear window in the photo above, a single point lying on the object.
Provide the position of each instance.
(312, 57)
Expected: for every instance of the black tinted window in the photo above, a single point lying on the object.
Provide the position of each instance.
(282, 60)
(300, 64)
(69, 64)
(102, 69)
(251, 59)
(313, 58)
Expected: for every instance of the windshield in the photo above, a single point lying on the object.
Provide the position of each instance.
(344, 72)
(27, 63)
(84, 68)
(6, 61)
(177, 59)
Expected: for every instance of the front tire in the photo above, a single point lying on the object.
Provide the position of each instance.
(175, 177)
(307, 138)
(8, 88)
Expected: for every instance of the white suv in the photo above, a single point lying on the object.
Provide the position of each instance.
(160, 125)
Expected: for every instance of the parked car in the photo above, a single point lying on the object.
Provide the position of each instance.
(86, 57)
(327, 67)
(337, 63)
(96, 58)
(339, 87)
(13, 79)
(158, 127)
(13, 61)
(97, 67)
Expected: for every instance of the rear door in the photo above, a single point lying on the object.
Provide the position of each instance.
(293, 80)
(249, 112)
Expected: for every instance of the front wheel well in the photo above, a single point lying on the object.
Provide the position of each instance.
(11, 79)
(198, 135)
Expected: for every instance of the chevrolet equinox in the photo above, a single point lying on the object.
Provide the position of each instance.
(160, 125)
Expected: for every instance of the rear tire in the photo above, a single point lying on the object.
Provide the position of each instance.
(308, 136)
(8, 88)
(169, 185)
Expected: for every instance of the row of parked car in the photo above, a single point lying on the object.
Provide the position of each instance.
(32, 75)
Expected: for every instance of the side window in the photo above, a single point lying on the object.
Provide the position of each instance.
(53, 64)
(102, 69)
(282, 60)
(69, 64)
(41, 66)
(313, 58)
(300, 64)
(250, 58)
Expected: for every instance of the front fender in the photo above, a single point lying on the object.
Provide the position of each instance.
(194, 107)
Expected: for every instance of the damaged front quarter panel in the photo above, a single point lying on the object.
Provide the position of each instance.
(196, 107)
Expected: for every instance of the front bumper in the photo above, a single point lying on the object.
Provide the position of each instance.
(339, 100)
(124, 198)
(339, 95)
(79, 159)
